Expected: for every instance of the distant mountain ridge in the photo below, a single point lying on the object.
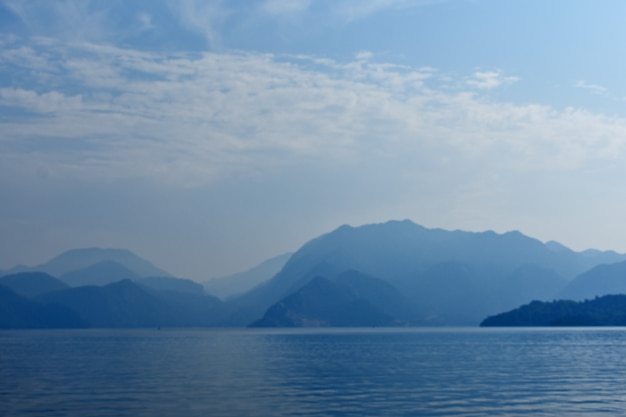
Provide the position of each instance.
(458, 277)
(393, 273)
(76, 259)
(32, 284)
(598, 281)
(122, 304)
(126, 304)
(322, 303)
(348, 299)
(19, 312)
(106, 293)
(100, 273)
(238, 283)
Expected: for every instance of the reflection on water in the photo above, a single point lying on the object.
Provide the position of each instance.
(330, 372)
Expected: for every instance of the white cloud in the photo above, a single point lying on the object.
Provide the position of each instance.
(145, 21)
(205, 17)
(351, 10)
(489, 79)
(191, 119)
(594, 88)
(66, 19)
(49, 102)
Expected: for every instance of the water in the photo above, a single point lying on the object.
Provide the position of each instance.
(329, 372)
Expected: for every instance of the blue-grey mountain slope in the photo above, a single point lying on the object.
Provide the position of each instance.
(181, 285)
(235, 284)
(598, 281)
(126, 304)
(32, 284)
(322, 303)
(17, 311)
(76, 259)
(100, 273)
(455, 277)
(349, 299)
(107, 272)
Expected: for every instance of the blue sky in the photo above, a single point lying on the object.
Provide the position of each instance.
(210, 135)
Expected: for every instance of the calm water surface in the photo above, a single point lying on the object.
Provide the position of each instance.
(331, 372)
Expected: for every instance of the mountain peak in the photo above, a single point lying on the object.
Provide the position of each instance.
(100, 273)
(456, 276)
(75, 259)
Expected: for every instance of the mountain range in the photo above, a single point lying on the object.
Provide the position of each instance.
(232, 285)
(395, 273)
(351, 299)
(453, 277)
(115, 290)
(76, 259)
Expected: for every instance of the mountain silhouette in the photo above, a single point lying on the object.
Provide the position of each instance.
(322, 303)
(126, 304)
(32, 284)
(454, 277)
(349, 299)
(17, 311)
(598, 281)
(76, 259)
(100, 273)
(180, 285)
(609, 310)
(393, 273)
(235, 284)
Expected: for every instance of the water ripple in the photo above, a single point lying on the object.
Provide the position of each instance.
(346, 372)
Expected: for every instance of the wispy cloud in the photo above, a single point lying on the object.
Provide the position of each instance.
(359, 9)
(66, 19)
(204, 17)
(212, 20)
(191, 119)
(594, 88)
(489, 79)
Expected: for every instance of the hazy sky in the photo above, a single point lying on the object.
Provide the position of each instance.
(208, 135)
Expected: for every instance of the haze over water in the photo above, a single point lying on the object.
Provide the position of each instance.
(329, 372)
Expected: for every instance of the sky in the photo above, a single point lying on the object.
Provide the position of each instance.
(210, 135)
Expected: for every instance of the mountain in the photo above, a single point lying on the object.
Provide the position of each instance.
(394, 273)
(181, 285)
(609, 310)
(125, 304)
(600, 280)
(455, 277)
(100, 273)
(194, 309)
(322, 303)
(232, 285)
(17, 311)
(252, 304)
(107, 272)
(120, 304)
(32, 284)
(76, 259)
(383, 296)
(348, 299)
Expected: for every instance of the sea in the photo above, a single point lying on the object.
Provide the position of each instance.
(314, 372)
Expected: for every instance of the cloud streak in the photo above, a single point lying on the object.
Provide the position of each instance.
(489, 79)
(352, 10)
(191, 119)
(594, 88)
